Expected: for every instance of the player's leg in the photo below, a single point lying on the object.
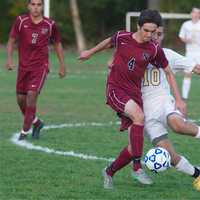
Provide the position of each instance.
(186, 85)
(125, 156)
(38, 79)
(30, 112)
(180, 125)
(179, 162)
(21, 101)
(135, 142)
(34, 83)
(117, 99)
(136, 136)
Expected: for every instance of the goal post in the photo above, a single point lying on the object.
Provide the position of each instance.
(47, 8)
(164, 16)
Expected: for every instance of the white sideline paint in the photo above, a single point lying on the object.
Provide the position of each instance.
(30, 146)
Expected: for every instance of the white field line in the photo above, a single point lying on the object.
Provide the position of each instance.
(30, 146)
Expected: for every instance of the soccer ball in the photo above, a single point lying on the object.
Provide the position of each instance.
(157, 159)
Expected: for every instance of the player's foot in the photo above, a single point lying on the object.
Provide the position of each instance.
(36, 129)
(196, 183)
(142, 177)
(108, 182)
(22, 136)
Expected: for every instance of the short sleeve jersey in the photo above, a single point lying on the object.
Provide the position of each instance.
(190, 30)
(33, 40)
(130, 61)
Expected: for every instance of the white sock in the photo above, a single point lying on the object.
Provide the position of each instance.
(35, 120)
(186, 87)
(198, 134)
(185, 166)
(24, 132)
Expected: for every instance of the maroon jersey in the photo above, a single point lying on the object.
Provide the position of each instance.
(130, 61)
(33, 40)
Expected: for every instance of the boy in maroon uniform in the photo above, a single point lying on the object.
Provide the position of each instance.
(133, 52)
(33, 32)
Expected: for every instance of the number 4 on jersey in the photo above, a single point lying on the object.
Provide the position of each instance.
(131, 64)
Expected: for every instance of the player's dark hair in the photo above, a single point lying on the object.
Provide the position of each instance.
(150, 16)
(29, 1)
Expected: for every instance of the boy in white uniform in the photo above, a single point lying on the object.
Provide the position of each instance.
(160, 109)
(190, 35)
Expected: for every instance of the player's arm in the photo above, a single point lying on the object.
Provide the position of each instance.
(182, 35)
(10, 49)
(186, 40)
(60, 54)
(105, 44)
(179, 62)
(180, 104)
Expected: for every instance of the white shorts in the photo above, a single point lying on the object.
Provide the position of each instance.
(156, 113)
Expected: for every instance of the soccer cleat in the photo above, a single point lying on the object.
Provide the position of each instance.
(108, 182)
(142, 177)
(196, 183)
(22, 136)
(36, 130)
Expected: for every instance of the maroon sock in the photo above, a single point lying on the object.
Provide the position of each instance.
(137, 140)
(121, 161)
(29, 117)
(37, 123)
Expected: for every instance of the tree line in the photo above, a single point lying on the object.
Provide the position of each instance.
(98, 18)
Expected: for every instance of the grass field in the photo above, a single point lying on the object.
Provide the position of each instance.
(79, 98)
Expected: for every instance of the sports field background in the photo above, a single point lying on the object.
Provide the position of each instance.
(79, 98)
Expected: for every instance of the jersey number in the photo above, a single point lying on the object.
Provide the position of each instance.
(34, 38)
(152, 78)
(131, 64)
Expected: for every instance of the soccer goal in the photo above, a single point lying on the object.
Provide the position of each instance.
(172, 23)
(130, 15)
(46, 8)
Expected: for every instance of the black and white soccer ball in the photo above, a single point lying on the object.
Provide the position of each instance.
(157, 159)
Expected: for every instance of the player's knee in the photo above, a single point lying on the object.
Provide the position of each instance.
(175, 158)
(21, 100)
(176, 124)
(32, 98)
(137, 117)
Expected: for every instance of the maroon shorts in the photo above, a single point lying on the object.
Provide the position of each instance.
(30, 80)
(117, 99)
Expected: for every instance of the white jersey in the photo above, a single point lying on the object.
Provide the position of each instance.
(191, 31)
(157, 101)
(155, 84)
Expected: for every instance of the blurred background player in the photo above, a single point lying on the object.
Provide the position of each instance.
(133, 52)
(160, 111)
(33, 32)
(190, 35)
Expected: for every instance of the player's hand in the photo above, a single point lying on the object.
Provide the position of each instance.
(10, 65)
(181, 105)
(85, 55)
(196, 69)
(62, 71)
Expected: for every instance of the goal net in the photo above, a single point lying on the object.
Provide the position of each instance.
(172, 23)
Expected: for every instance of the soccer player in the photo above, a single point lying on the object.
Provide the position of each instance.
(190, 35)
(133, 52)
(160, 111)
(33, 32)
